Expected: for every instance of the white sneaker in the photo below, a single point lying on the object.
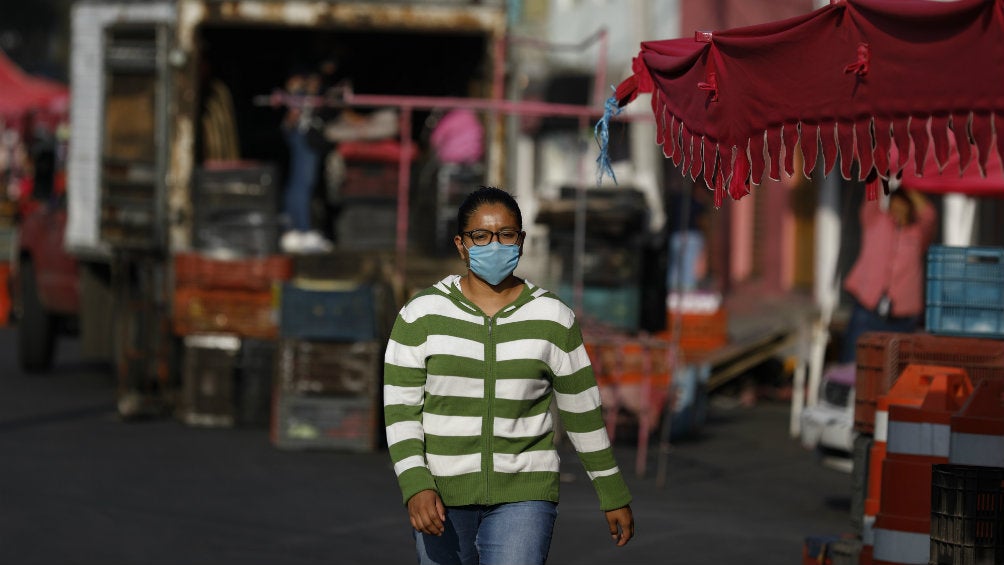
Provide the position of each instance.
(313, 242)
(292, 241)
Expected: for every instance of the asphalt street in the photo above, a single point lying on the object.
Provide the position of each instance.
(80, 486)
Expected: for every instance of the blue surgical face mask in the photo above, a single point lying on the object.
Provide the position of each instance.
(493, 262)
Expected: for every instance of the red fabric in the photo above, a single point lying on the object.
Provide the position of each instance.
(20, 93)
(952, 176)
(458, 137)
(891, 260)
(855, 78)
(387, 151)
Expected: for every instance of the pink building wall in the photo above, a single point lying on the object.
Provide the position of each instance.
(776, 240)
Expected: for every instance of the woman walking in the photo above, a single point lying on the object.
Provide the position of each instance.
(471, 368)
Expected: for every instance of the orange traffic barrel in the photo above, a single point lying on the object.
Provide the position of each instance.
(918, 437)
(909, 389)
(978, 428)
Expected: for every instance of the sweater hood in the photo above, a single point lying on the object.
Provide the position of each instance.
(450, 287)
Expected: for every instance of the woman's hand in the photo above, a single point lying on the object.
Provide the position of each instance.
(621, 522)
(427, 512)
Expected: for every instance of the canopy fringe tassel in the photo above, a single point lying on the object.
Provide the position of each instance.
(879, 147)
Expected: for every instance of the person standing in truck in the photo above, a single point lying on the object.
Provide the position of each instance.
(472, 366)
(302, 129)
(887, 280)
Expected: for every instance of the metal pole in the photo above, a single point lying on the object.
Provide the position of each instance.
(579, 243)
(601, 69)
(403, 182)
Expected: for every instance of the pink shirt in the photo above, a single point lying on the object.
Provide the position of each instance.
(891, 260)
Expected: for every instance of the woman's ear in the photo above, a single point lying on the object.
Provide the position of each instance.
(459, 243)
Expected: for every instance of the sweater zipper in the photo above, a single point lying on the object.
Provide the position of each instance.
(487, 462)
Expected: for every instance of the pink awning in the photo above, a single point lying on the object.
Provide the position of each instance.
(859, 79)
(21, 93)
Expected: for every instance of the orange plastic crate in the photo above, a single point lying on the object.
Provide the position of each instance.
(243, 313)
(882, 356)
(699, 332)
(258, 273)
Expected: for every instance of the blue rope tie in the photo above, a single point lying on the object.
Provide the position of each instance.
(602, 134)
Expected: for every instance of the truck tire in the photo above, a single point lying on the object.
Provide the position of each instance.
(36, 335)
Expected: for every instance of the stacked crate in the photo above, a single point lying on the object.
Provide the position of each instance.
(881, 358)
(333, 325)
(225, 312)
(235, 207)
(703, 322)
(368, 196)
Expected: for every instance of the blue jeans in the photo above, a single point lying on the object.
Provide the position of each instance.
(864, 320)
(684, 251)
(514, 533)
(303, 163)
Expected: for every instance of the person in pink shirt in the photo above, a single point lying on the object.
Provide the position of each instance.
(887, 280)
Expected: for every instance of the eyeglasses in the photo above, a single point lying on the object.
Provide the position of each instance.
(484, 237)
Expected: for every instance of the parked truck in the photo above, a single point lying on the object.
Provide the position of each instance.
(146, 81)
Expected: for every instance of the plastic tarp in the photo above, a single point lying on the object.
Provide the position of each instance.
(870, 82)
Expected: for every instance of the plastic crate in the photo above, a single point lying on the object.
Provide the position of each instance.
(882, 356)
(260, 273)
(243, 313)
(255, 374)
(699, 332)
(240, 186)
(370, 179)
(318, 422)
(967, 515)
(330, 368)
(965, 291)
(208, 377)
(877, 366)
(342, 265)
(365, 224)
(238, 233)
(329, 312)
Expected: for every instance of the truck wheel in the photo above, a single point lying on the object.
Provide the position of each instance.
(36, 335)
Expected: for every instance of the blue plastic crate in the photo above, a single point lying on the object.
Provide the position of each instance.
(315, 312)
(965, 291)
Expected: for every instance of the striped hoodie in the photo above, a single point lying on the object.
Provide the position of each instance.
(467, 398)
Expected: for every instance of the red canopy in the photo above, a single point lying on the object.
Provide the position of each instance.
(940, 180)
(21, 93)
(859, 78)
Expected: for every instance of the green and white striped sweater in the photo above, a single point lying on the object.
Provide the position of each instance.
(467, 398)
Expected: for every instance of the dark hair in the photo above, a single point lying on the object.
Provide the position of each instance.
(899, 194)
(486, 195)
